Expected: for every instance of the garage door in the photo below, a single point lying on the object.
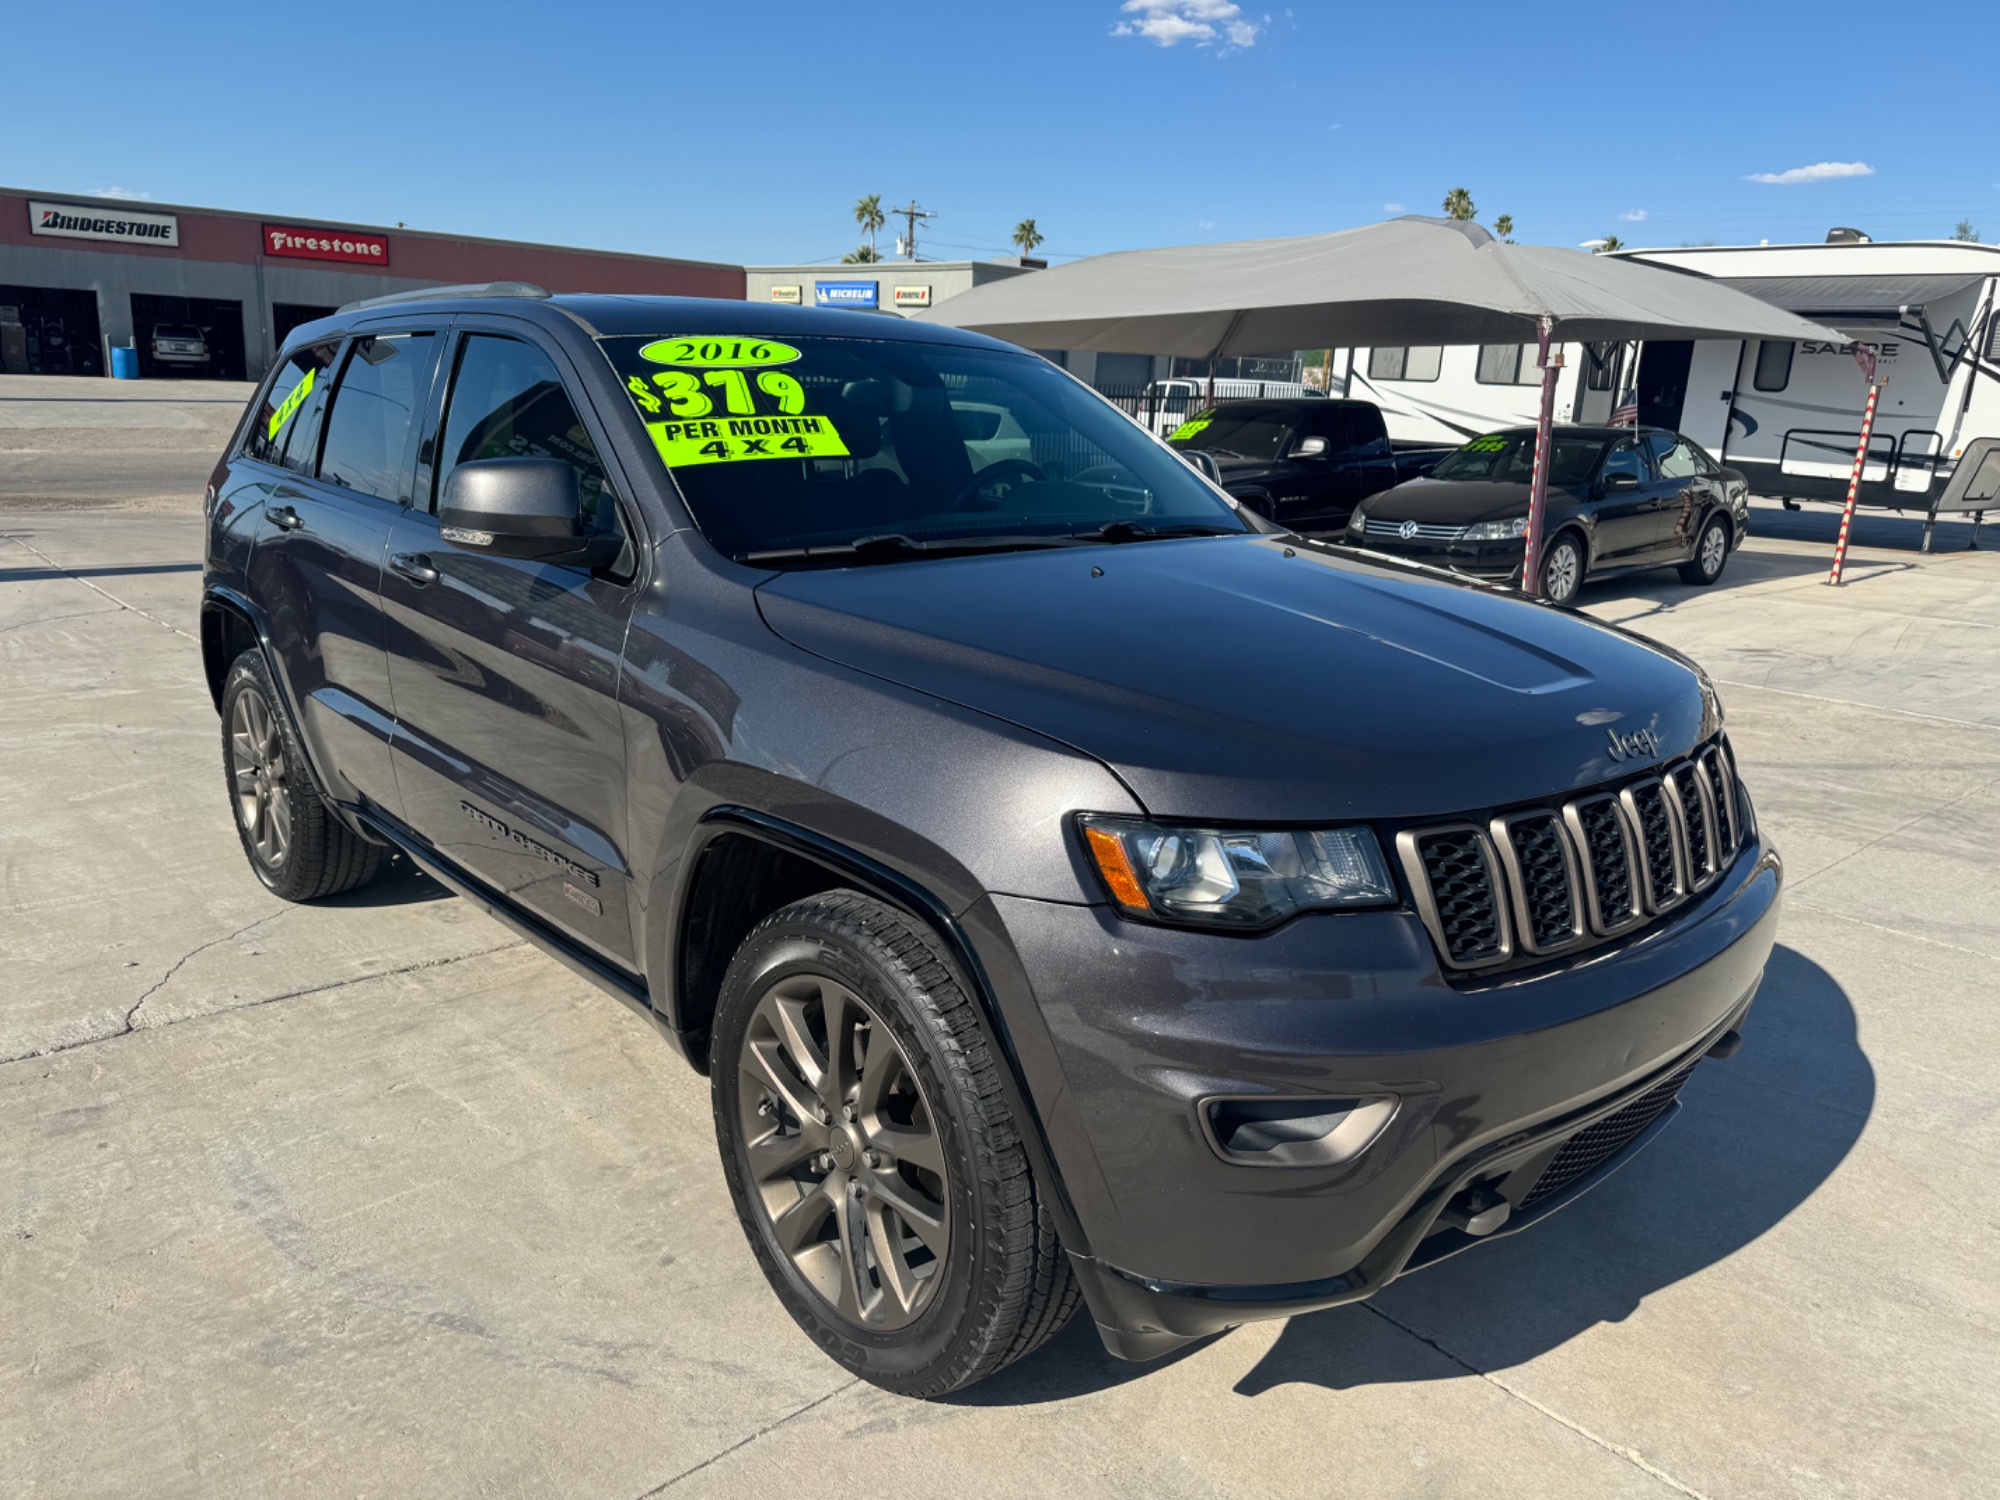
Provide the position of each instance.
(188, 338)
(49, 331)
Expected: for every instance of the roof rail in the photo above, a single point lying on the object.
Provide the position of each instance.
(453, 293)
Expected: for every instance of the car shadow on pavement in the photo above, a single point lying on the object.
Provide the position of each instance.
(397, 883)
(1760, 1132)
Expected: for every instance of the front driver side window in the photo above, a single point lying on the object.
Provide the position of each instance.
(508, 401)
(1624, 459)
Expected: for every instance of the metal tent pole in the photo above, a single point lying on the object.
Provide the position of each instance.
(1538, 493)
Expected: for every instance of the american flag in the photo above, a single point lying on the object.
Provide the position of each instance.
(1626, 412)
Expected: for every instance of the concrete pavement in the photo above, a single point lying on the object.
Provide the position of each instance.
(368, 1199)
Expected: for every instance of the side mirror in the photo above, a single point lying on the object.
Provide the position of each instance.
(1195, 458)
(1309, 447)
(521, 507)
(1612, 483)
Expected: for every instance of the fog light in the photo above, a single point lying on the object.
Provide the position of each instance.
(1266, 1132)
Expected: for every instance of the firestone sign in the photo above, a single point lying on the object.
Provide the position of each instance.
(326, 244)
(73, 221)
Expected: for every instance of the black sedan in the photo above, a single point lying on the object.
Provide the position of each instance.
(1619, 497)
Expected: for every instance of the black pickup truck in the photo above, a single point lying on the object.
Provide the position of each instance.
(1304, 463)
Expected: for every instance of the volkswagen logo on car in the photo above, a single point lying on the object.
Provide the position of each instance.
(1407, 530)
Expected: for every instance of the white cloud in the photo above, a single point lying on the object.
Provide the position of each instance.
(1204, 223)
(1634, 216)
(1334, 126)
(1395, 208)
(1819, 171)
(1203, 22)
(118, 192)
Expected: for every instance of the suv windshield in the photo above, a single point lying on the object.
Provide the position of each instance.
(1510, 457)
(176, 331)
(1239, 430)
(834, 445)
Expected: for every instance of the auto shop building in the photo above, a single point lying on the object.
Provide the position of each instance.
(202, 292)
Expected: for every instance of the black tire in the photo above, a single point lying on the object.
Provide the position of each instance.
(1711, 554)
(989, 1293)
(294, 843)
(1562, 580)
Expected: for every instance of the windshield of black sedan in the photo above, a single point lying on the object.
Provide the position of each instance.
(1510, 458)
(1239, 430)
(814, 444)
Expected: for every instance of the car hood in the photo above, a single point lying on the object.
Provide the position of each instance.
(1259, 678)
(1250, 470)
(1457, 502)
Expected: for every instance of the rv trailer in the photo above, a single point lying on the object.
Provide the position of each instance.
(1787, 414)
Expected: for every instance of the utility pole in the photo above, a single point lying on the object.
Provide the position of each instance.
(911, 213)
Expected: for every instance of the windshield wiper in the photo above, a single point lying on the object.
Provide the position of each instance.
(894, 546)
(1132, 531)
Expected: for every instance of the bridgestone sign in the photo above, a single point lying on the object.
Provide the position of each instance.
(72, 221)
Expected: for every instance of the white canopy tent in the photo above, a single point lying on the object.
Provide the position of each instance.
(1412, 280)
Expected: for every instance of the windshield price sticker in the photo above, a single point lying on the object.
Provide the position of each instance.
(288, 408)
(1188, 429)
(1485, 445)
(718, 353)
(734, 439)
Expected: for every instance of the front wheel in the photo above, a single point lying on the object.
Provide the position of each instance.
(1711, 551)
(1562, 571)
(876, 1170)
(294, 843)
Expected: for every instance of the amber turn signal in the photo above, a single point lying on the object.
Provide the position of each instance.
(1109, 852)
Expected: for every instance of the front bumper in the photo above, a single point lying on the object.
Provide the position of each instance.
(1491, 560)
(1126, 1030)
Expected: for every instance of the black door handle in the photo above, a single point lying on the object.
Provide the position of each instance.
(284, 516)
(414, 566)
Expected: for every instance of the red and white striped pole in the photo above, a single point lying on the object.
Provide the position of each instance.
(1538, 486)
(1854, 480)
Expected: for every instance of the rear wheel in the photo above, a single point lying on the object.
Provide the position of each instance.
(1562, 570)
(294, 843)
(878, 1174)
(1711, 552)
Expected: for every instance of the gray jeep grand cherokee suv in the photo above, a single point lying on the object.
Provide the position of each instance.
(1073, 887)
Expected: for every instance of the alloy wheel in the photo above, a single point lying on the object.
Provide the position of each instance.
(259, 775)
(843, 1152)
(1714, 548)
(1560, 577)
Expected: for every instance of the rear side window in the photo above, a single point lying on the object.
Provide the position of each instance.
(368, 427)
(1625, 459)
(508, 401)
(1774, 365)
(285, 430)
(1679, 462)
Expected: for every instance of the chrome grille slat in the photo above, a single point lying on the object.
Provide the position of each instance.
(1421, 531)
(1544, 880)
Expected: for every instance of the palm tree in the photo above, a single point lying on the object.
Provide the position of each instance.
(1504, 227)
(1965, 231)
(1458, 204)
(1027, 236)
(1609, 242)
(868, 214)
(864, 256)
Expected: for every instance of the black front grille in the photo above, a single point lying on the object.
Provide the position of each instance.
(1528, 883)
(1603, 829)
(1465, 895)
(1584, 1153)
(1548, 903)
(1656, 842)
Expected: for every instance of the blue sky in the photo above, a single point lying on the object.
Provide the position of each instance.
(744, 132)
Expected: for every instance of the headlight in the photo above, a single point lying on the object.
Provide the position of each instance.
(1357, 521)
(1240, 879)
(1495, 531)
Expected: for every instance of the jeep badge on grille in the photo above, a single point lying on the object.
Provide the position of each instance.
(1630, 746)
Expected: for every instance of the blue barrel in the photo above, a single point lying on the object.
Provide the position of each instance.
(124, 363)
